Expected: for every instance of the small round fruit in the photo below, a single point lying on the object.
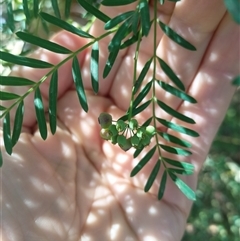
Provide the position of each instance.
(105, 134)
(135, 141)
(121, 125)
(113, 131)
(105, 120)
(150, 130)
(124, 143)
(133, 124)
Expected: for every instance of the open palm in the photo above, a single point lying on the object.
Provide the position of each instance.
(75, 186)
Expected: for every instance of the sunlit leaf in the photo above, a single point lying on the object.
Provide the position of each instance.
(43, 43)
(181, 171)
(174, 139)
(94, 67)
(117, 2)
(15, 81)
(118, 19)
(152, 176)
(64, 25)
(145, 16)
(138, 151)
(35, 8)
(236, 80)
(178, 128)
(40, 113)
(176, 37)
(233, 6)
(161, 2)
(174, 91)
(175, 113)
(53, 95)
(142, 76)
(25, 61)
(8, 96)
(143, 162)
(77, 78)
(110, 62)
(7, 134)
(162, 185)
(185, 189)
(178, 164)
(129, 41)
(142, 94)
(172, 76)
(141, 108)
(10, 17)
(94, 11)
(67, 8)
(17, 127)
(176, 150)
(56, 8)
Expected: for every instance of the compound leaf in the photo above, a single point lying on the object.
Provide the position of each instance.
(94, 67)
(17, 127)
(152, 176)
(143, 162)
(8, 96)
(184, 188)
(117, 2)
(53, 95)
(25, 61)
(15, 81)
(174, 139)
(43, 43)
(162, 185)
(172, 76)
(7, 134)
(64, 25)
(176, 37)
(176, 150)
(175, 113)
(40, 114)
(178, 128)
(77, 78)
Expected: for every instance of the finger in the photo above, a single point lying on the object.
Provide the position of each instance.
(65, 39)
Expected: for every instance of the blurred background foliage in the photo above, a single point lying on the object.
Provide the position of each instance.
(215, 215)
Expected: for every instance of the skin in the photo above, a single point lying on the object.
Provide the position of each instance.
(75, 186)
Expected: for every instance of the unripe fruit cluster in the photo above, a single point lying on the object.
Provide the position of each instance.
(126, 135)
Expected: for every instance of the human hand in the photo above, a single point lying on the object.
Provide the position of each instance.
(74, 185)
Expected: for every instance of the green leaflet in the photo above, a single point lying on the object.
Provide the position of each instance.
(233, 6)
(178, 128)
(118, 19)
(161, 2)
(10, 17)
(40, 114)
(110, 61)
(17, 127)
(175, 113)
(129, 41)
(236, 80)
(147, 122)
(68, 4)
(7, 134)
(181, 171)
(64, 25)
(1, 159)
(142, 94)
(143, 162)
(135, 22)
(174, 139)
(172, 76)
(26, 10)
(141, 108)
(145, 16)
(178, 164)
(184, 188)
(117, 2)
(15, 81)
(53, 95)
(152, 176)
(56, 8)
(176, 150)
(2, 108)
(94, 67)
(94, 11)
(8, 96)
(162, 185)
(43, 43)
(142, 76)
(176, 37)
(25, 61)
(138, 151)
(77, 78)
(35, 8)
(174, 91)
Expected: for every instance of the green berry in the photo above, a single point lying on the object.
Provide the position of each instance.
(121, 125)
(150, 130)
(114, 140)
(135, 141)
(124, 143)
(105, 120)
(105, 134)
(113, 130)
(133, 124)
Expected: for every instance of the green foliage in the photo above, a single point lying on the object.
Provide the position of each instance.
(127, 28)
